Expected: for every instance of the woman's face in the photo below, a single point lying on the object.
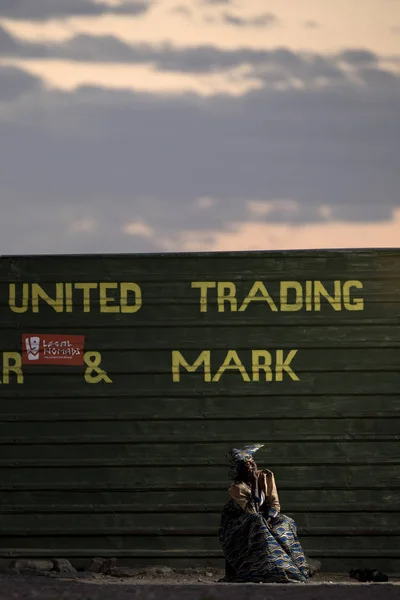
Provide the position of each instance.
(248, 468)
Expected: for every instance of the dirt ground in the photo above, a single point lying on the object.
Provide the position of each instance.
(164, 583)
(114, 574)
(167, 575)
(17, 587)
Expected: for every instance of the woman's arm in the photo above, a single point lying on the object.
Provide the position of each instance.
(272, 499)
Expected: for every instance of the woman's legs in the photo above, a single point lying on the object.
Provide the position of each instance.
(284, 530)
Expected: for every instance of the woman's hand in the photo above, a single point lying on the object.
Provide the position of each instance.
(254, 484)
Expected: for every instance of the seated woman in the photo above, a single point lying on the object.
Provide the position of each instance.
(259, 543)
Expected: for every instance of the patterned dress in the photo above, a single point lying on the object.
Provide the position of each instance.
(258, 551)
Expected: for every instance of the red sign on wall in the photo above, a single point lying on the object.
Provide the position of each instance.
(49, 348)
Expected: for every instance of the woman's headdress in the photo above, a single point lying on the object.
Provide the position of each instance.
(238, 455)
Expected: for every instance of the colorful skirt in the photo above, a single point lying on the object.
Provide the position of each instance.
(261, 552)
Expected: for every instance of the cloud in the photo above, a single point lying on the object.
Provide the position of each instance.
(262, 20)
(44, 10)
(110, 48)
(275, 66)
(246, 236)
(16, 82)
(379, 78)
(140, 162)
(138, 228)
(310, 24)
(205, 203)
(280, 207)
(358, 57)
(10, 43)
(181, 10)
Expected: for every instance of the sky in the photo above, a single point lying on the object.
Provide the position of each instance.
(198, 125)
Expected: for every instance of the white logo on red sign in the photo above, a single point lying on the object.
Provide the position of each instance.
(58, 349)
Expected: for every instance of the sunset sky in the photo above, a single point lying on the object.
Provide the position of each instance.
(186, 125)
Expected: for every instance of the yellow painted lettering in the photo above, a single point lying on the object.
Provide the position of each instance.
(12, 363)
(309, 296)
(283, 365)
(320, 290)
(86, 289)
(38, 293)
(284, 293)
(232, 362)
(258, 288)
(68, 297)
(125, 288)
(356, 303)
(203, 286)
(105, 300)
(226, 293)
(261, 361)
(179, 361)
(12, 298)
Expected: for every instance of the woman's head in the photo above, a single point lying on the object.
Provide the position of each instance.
(242, 461)
(246, 470)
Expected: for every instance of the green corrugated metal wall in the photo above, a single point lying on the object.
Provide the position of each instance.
(135, 468)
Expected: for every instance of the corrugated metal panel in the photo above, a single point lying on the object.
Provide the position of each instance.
(135, 467)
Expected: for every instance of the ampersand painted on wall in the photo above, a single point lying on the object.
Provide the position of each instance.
(93, 372)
